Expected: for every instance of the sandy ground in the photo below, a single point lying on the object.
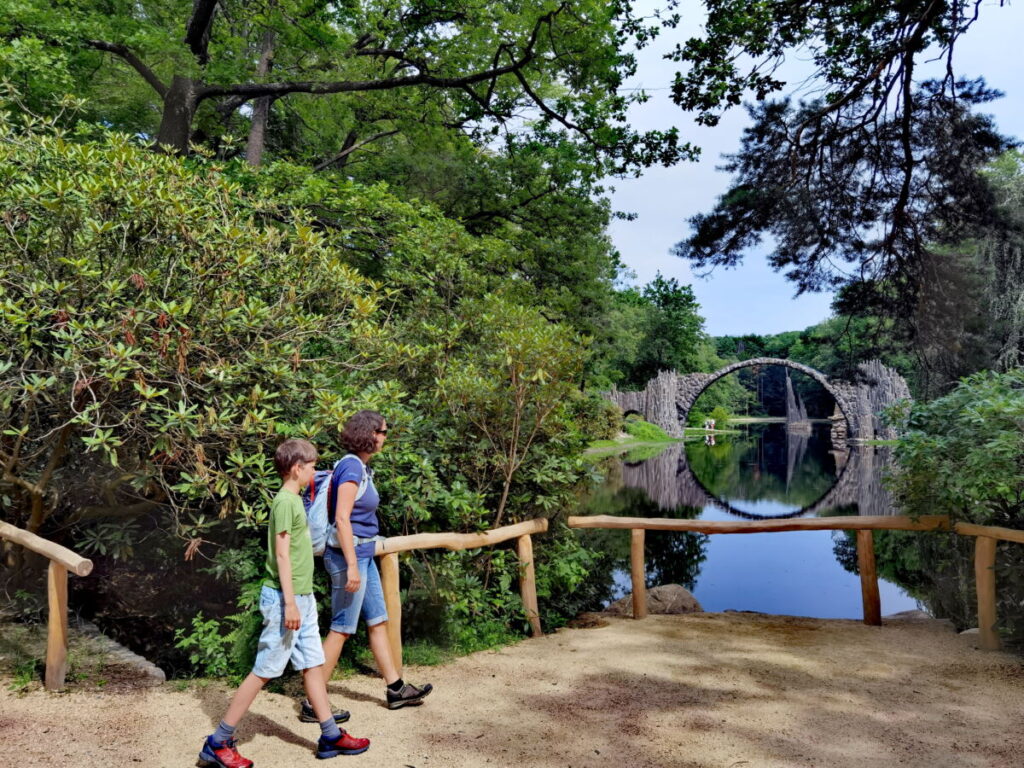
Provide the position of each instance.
(707, 690)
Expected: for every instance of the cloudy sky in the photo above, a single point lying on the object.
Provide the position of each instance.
(752, 298)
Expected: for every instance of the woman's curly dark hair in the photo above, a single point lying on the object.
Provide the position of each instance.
(358, 434)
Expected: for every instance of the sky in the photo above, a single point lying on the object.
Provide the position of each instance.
(753, 298)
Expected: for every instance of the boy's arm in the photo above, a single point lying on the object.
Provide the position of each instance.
(292, 617)
(343, 522)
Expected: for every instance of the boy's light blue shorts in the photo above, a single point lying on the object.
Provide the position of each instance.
(347, 606)
(279, 645)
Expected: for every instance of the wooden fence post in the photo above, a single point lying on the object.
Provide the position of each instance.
(57, 627)
(528, 583)
(868, 578)
(636, 553)
(393, 602)
(985, 581)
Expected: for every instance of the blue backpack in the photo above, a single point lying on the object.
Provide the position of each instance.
(315, 499)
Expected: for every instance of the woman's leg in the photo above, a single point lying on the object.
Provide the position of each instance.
(381, 647)
(345, 607)
(333, 644)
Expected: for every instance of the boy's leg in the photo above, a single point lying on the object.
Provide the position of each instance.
(275, 647)
(333, 740)
(243, 698)
(219, 748)
(316, 692)
(308, 656)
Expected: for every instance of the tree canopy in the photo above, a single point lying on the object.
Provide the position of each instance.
(200, 68)
(859, 185)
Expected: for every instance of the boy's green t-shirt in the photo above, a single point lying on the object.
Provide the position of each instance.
(288, 514)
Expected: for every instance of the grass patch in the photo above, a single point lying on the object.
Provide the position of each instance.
(23, 661)
(646, 432)
(643, 452)
(419, 653)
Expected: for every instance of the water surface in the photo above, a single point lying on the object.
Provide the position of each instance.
(764, 471)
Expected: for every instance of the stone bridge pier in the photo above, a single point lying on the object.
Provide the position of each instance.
(668, 398)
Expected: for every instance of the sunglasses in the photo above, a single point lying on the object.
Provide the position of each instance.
(381, 432)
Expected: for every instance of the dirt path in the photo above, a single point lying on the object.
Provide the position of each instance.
(704, 690)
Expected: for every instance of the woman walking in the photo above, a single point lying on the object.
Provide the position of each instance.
(355, 581)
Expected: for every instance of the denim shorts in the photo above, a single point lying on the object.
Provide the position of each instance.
(347, 606)
(279, 645)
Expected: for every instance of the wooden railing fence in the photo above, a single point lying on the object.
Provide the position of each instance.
(986, 538)
(62, 561)
(388, 551)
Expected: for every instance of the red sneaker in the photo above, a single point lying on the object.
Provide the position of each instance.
(346, 744)
(224, 755)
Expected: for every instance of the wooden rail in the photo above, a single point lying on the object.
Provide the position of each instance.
(62, 561)
(388, 550)
(987, 537)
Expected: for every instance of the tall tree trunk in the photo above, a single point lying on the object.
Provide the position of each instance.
(261, 107)
(180, 106)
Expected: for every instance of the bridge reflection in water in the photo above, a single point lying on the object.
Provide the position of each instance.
(765, 464)
(761, 471)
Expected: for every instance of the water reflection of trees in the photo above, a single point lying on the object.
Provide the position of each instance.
(671, 557)
(937, 569)
(767, 462)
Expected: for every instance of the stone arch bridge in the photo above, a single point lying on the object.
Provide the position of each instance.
(668, 398)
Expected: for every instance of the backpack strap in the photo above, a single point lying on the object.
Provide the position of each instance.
(332, 488)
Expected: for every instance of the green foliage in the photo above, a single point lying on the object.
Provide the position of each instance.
(169, 320)
(652, 329)
(720, 415)
(512, 388)
(644, 430)
(368, 72)
(109, 538)
(672, 330)
(566, 583)
(594, 415)
(152, 352)
(209, 650)
(850, 183)
(476, 617)
(26, 674)
(963, 454)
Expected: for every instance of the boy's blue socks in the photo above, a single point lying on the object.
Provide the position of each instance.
(223, 733)
(330, 730)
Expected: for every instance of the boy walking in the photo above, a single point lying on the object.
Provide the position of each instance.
(290, 629)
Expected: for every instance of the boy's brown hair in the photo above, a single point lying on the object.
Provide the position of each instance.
(292, 452)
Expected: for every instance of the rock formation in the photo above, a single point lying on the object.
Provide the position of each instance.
(668, 598)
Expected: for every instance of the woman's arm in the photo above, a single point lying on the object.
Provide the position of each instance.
(343, 522)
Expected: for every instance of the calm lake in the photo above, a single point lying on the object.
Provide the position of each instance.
(761, 471)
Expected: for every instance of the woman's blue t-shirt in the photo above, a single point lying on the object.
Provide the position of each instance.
(364, 511)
